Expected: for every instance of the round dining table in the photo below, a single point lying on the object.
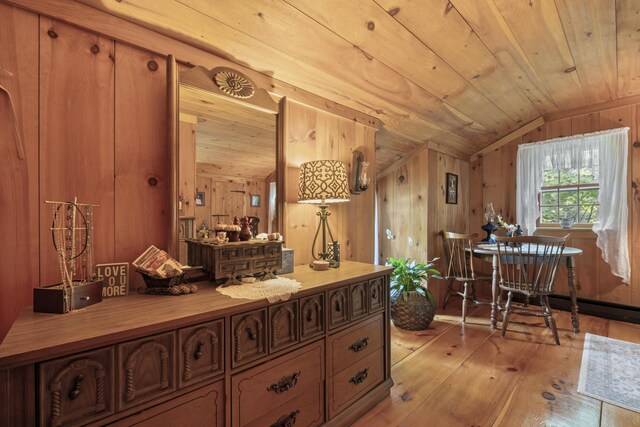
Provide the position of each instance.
(489, 253)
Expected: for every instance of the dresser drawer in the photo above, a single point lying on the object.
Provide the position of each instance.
(355, 343)
(248, 336)
(377, 294)
(358, 300)
(230, 254)
(201, 352)
(306, 409)
(263, 264)
(311, 316)
(203, 407)
(77, 389)
(257, 391)
(283, 321)
(146, 369)
(338, 307)
(234, 268)
(351, 383)
(253, 252)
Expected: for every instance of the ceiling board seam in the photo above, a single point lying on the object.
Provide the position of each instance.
(541, 88)
(428, 123)
(573, 59)
(469, 82)
(408, 78)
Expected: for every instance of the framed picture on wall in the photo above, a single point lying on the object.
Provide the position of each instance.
(255, 200)
(200, 198)
(451, 195)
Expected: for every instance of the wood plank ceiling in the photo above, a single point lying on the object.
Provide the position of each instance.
(232, 139)
(457, 73)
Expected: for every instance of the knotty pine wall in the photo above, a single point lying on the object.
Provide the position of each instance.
(493, 179)
(411, 203)
(92, 113)
(311, 134)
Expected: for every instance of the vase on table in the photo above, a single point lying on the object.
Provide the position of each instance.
(489, 228)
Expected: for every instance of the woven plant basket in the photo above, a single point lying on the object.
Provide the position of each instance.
(414, 314)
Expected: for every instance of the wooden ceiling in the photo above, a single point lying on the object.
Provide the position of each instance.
(457, 73)
(231, 139)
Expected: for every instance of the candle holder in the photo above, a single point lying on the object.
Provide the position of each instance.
(489, 228)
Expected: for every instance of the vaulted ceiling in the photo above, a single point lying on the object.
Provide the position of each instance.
(459, 73)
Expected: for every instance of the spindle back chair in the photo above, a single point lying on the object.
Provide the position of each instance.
(528, 266)
(458, 252)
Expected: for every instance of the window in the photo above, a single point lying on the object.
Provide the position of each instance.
(569, 193)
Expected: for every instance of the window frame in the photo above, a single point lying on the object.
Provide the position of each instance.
(578, 187)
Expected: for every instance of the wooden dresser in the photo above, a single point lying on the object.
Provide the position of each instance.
(322, 357)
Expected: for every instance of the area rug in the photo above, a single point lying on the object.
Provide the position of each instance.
(610, 370)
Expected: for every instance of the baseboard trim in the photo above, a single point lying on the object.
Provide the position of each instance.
(607, 310)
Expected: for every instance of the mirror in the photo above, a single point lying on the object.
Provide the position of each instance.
(227, 151)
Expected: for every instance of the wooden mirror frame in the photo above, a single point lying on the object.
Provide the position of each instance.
(204, 79)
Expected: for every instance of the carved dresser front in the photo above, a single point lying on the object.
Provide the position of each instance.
(321, 357)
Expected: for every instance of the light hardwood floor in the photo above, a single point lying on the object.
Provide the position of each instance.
(454, 375)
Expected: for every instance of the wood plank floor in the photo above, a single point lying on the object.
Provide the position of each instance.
(467, 375)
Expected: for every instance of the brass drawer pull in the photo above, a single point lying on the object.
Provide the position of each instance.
(199, 350)
(287, 420)
(285, 383)
(75, 391)
(360, 376)
(359, 345)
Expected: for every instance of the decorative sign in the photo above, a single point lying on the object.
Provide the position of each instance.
(115, 279)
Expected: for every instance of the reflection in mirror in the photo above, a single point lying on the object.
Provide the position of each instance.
(227, 164)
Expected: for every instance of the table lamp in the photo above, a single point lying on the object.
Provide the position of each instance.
(323, 182)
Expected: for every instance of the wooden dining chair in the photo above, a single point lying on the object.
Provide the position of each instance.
(458, 253)
(528, 266)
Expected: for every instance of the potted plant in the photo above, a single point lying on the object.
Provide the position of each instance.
(412, 304)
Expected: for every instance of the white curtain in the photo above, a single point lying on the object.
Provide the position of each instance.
(606, 152)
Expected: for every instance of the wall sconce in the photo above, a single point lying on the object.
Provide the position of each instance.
(359, 173)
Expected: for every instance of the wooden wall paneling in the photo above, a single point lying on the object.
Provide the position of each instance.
(203, 213)
(142, 175)
(19, 33)
(559, 128)
(385, 187)
(300, 146)
(419, 207)
(76, 133)
(585, 123)
(187, 169)
(357, 226)
(492, 185)
(508, 179)
(635, 209)
(343, 143)
(259, 188)
(402, 178)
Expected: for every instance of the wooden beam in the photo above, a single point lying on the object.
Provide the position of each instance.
(587, 109)
(509, 137)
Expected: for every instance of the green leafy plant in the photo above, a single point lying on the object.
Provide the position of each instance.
(410, 276)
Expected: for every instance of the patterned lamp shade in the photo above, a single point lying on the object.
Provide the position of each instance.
(323, 181)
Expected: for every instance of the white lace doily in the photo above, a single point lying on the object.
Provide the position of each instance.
(273, 290)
